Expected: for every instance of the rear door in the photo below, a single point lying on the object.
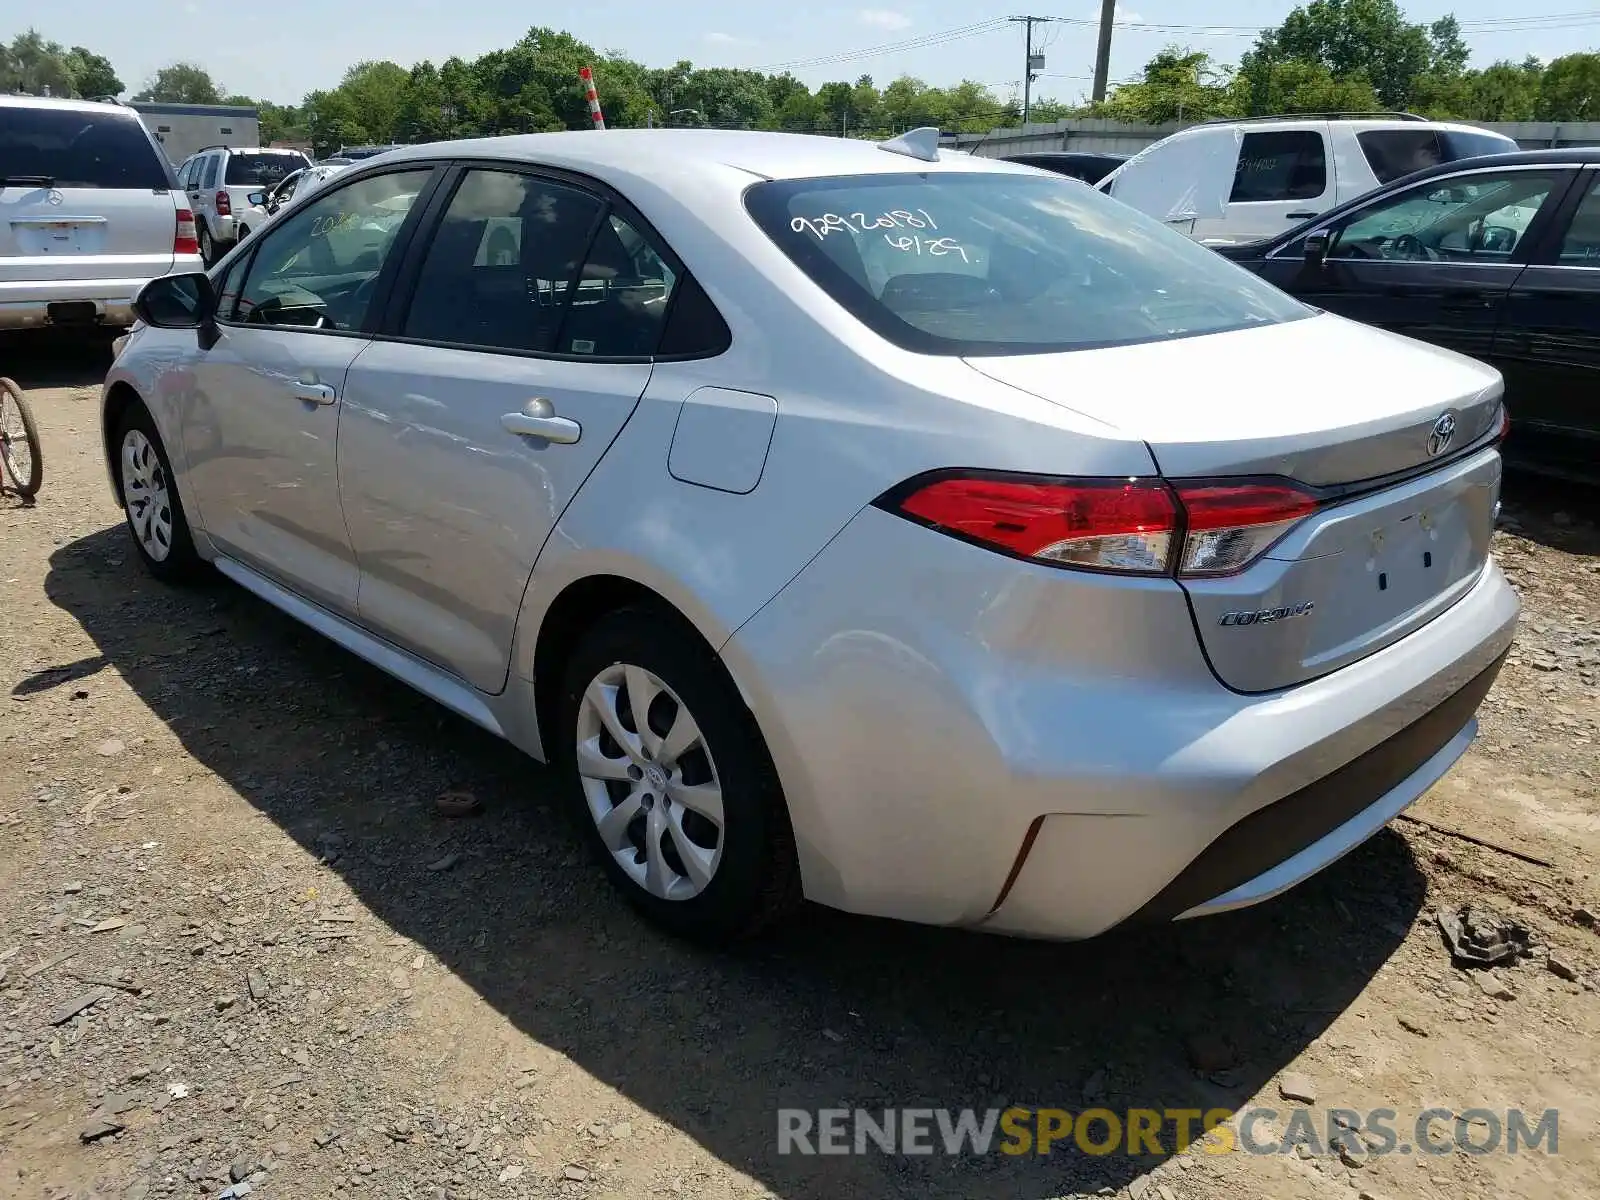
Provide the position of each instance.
(1548, 343)
(496, 387)
(84, 195)
(1283, 176)
(1433, 261)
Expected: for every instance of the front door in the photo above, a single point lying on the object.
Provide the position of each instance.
(471, 424)
(1435, 261)
(1282, 176)
(262, 427)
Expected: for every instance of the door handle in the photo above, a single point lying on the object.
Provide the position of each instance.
(315, 393)
(1299, 216)
(538, 420)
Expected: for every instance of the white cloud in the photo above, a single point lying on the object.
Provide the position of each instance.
(1123, 14)
(884, 18)
(718, 38)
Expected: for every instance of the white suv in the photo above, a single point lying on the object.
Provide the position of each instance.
(1243, 180)
(220, 181)
(89, 213)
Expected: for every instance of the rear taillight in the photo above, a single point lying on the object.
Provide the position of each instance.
(224, 204)
(1505, 425)
(1130, 526)
(1102, 524)
(184, 240)
(1230, 525)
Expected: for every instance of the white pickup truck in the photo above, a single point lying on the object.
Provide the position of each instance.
(1234, 181)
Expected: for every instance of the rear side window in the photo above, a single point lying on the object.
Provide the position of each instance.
(1289, 164)
(262, 168)
(968, 263)
(527, 265)
(80, 148)
(1395, 153)
(208, 170)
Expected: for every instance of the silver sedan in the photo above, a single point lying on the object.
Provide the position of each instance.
(916, 533)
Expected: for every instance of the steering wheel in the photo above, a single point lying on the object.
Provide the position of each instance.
(1410, 248)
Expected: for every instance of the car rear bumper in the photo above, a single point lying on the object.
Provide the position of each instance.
(965, 739)
(37, 304)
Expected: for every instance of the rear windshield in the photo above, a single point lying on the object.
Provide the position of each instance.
(1393, 153)
(80, 148)
(986, 264)
(262, 168)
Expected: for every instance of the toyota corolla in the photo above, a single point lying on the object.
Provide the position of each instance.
(911, 532)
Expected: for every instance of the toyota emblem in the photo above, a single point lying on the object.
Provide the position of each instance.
(1442, 434)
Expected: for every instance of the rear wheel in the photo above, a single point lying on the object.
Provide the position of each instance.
(672, 780)
(21, 457)
(208, 247)
(150, 500)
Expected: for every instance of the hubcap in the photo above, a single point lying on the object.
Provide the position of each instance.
(144, 494)
(649, 781)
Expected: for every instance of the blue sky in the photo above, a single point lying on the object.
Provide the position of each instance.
(280, 49)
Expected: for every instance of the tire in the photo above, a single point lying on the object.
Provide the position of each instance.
(16, 418)
(244, 232)
(707, 883)
(208, 247)
(150, 501)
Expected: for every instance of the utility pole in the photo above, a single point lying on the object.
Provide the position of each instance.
(1032, 63)
(1102, 58)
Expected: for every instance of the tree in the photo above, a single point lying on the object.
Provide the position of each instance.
(92, 74)
(1372, 37)
(376, 90)
(34, 66)
(1570, 89)
(182, 83)
(1298, 86)
(1179, 84)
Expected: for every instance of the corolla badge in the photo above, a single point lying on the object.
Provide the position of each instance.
(1442, 434)
(1267, 616)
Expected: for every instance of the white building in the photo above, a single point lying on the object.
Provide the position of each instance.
(184, 128)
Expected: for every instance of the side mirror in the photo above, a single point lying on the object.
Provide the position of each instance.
(176, 302)
(1316, 248)
(257, 198)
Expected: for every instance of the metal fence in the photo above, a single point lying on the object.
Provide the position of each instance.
(1122, 137)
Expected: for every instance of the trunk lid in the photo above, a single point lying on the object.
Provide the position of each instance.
(1329, 404)
(85, 233)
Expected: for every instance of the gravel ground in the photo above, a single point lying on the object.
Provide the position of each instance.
(243, 952)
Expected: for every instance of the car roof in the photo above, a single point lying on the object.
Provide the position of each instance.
(1064, 154)
(95, 106)
(634, 153)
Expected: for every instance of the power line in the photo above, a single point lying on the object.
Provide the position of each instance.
(940, 38)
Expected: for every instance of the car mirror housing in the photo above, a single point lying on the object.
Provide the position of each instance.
(1316, 247)
(257, 198)
(176, 301)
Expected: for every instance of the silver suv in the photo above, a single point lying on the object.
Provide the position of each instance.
(221, 181)
(88, 213)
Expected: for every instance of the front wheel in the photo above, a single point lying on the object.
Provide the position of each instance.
(672, 780)
(150, 500)
(21, 456)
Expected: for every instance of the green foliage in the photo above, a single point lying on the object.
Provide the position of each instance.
(1359, 56)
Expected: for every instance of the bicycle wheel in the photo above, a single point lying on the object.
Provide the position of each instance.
(20, 454)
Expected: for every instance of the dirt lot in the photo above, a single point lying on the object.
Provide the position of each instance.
(239, 943)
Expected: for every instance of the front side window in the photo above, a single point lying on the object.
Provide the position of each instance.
(975, 263)
(318, 268)
(1290, 164)
(1480, 217)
